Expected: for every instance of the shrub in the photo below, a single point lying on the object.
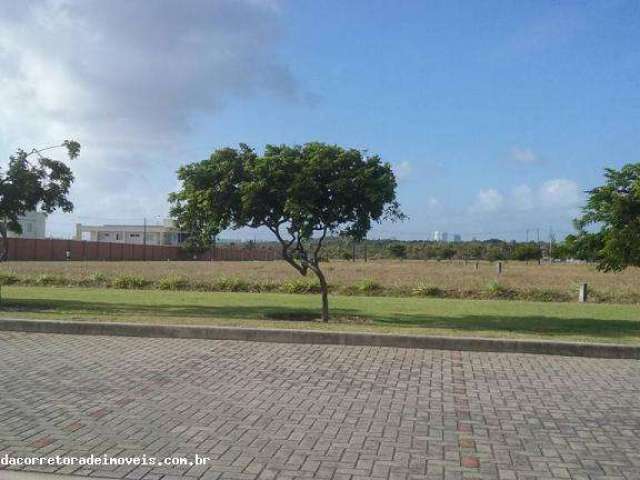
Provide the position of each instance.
(173, 283)
(397, 250)
(545, 295)
(49, 280)
(230, 284)
(422, 290)
(264, 286)
(93, 280)
(8, 278)
(129, 282)
(497, 290)
(301, 286)
(98, 277)
(368, 286)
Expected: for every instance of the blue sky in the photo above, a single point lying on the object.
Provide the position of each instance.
(495, 115)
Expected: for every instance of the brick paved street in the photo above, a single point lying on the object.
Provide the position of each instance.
(289, 411)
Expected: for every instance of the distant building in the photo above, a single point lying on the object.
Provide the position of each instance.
(33, 226)
(457, 237)
(440, 236)
(165, 234)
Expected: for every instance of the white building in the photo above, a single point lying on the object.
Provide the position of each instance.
(165, 234)
(33, 225)
(440, 236)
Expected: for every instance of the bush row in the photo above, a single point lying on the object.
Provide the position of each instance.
(367, 287)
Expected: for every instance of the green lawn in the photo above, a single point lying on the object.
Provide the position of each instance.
(488, 318)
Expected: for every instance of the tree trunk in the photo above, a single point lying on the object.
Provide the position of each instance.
(4, 247)
(324, 289)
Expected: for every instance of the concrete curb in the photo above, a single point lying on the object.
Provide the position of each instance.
(598, 350)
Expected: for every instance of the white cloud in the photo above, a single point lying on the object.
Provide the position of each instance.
(126, 78)
(489, 200)
(402, 170)
(524, 156)
(523, 197)
(559, 193)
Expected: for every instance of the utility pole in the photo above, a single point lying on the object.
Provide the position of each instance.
(144, 239)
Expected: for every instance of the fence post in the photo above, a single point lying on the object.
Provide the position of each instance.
(584, 292)
(477, 265)
(499, 268)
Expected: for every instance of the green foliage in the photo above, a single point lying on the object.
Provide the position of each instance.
(50, 280)
(231, 284)
(424, 290)
(495, 253)
(397, 250)
(613, 208)
(129, 282)
(527, 251)
(98, 277)
(8, 278)
(94, 279)
(31, 181)
(306, 189)
(445, 253)
(496, 290)
(301, 286)
(369, 286)
(173, 283)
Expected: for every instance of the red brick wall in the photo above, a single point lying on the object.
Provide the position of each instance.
(53, 250)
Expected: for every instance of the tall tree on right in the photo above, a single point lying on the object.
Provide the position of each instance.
(609, 228)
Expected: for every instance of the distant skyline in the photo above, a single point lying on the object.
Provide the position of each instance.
(496, 116)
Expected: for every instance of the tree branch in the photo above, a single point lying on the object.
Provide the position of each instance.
(300, 267)
(317, 249)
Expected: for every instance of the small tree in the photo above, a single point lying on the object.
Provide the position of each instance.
(614, 208)
(300, 193)
(527, 251)
(33, 180)
(397, 250)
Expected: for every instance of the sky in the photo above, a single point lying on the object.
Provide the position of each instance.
(496, 116)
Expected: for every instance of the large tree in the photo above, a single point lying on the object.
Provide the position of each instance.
(30, 181)
(300, 193)
(609, 228)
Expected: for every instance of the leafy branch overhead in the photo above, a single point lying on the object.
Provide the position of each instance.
(33, 181)
(301, 194)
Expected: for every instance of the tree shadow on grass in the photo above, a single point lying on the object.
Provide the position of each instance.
(531, 324)
(544, 325)
(78, 307)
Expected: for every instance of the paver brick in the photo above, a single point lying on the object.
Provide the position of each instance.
(287, 411)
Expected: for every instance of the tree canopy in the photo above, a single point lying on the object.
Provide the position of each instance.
(33, 180)
(613, 212)
(300, 193)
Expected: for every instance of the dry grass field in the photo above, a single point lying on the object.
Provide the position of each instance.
(558, 282)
